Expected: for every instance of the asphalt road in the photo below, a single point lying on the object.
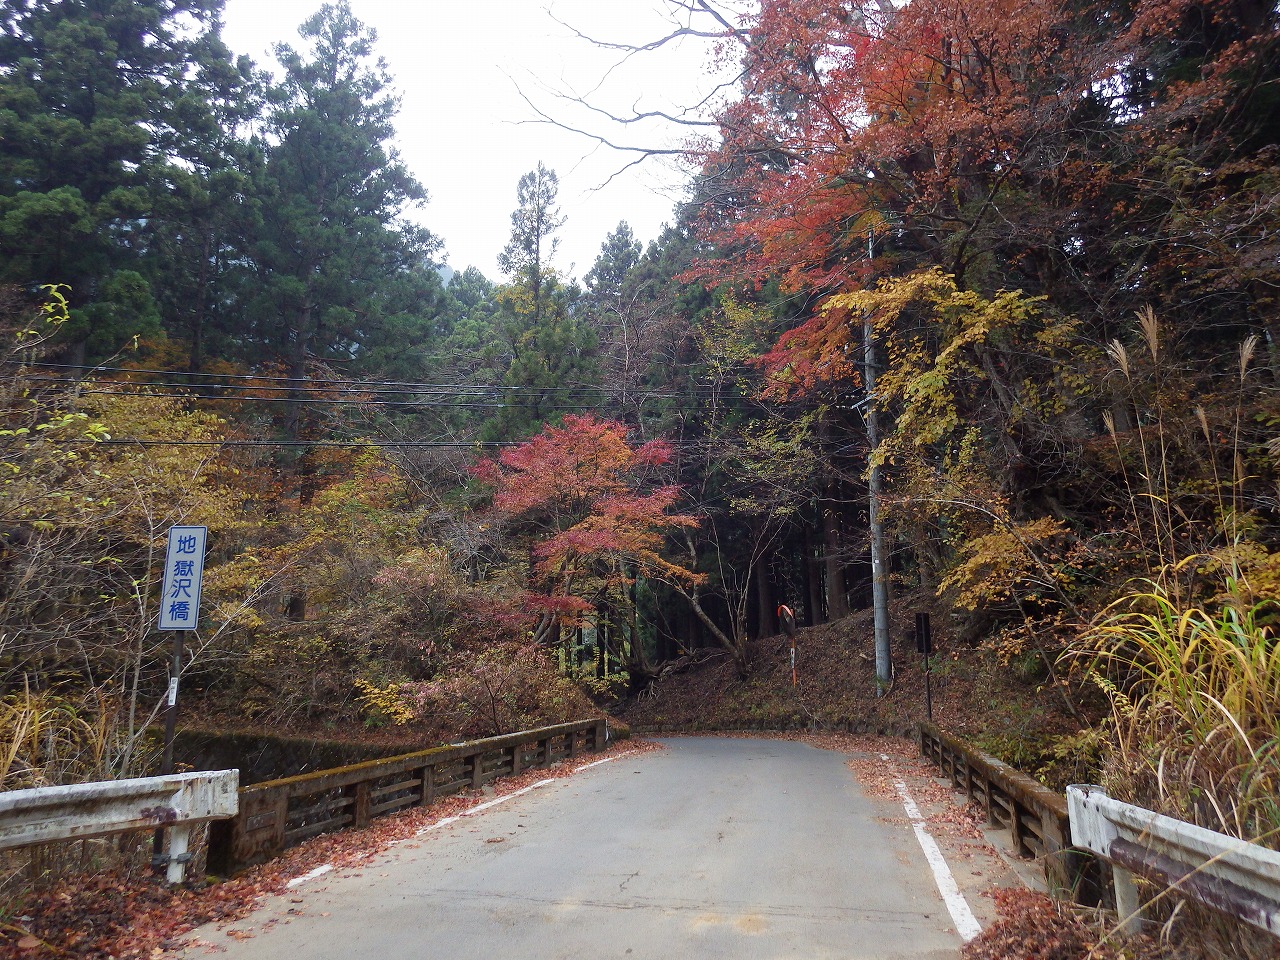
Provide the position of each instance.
(710, 848)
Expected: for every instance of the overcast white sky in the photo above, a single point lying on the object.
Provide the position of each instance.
(457, 65)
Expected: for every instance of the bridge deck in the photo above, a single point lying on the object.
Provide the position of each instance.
(714, 847)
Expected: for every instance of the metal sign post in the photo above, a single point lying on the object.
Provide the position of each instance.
(179, 611)
(924, 646)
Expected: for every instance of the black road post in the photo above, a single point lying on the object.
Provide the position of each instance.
(924, 645)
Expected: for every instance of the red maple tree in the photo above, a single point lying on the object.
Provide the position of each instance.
(583, 498)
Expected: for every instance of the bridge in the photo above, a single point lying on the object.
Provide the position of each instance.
(710, 847)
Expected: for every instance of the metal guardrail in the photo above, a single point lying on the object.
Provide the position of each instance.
(278, 814)
(1226, 873)
(83, 810)
(1035, 816)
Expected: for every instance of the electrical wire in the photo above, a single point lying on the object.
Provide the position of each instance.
(356, 442)
(374, 403)
(535, 398)
(377, 387)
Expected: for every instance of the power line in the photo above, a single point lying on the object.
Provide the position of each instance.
(348, 389)
(374, 403)
(354, 442)
(358, 442)
(318, 384)
(301, 381)
(535, 398)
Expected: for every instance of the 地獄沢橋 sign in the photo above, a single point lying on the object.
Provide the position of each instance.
(183, 569)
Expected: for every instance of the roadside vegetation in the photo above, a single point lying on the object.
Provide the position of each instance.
(978, 295)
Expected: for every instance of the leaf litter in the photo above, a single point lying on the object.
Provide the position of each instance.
(127, 914)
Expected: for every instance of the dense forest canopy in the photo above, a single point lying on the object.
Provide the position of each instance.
(971, 303)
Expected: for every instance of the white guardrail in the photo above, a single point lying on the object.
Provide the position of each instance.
(78, 811)
(1228, 874)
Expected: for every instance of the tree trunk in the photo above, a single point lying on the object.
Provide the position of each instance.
(928, 552)
(297, 422)
(295, 608)
(736, 648)
(879, 550)
(837, 591)
(813, 578)
(542, 633)
(766, 617)
(298, 353)
(1271, 336)
(638, 665)
(195, 360)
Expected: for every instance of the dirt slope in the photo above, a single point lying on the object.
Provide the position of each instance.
(1007, 711)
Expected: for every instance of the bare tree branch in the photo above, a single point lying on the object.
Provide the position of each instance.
(687, 19)
(545, 118)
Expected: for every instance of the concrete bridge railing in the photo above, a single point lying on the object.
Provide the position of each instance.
(277, 814)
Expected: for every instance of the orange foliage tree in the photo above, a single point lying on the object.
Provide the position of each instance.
(1078, 152)
(583, 499)
(970, 129)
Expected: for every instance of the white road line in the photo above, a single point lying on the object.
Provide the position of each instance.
(309, 875)
(966, 923)
(442, 822)
(596, 763)
(505, 797)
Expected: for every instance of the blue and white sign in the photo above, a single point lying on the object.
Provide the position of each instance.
(183, 570)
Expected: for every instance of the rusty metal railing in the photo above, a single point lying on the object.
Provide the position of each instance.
(77, 811)
(1233, 876)
(1035, 816)
(278, 814)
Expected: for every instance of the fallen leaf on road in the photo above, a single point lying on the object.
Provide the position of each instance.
(126, 913)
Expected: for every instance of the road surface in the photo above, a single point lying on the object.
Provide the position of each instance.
(710, 848)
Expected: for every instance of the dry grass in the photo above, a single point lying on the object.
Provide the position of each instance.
(48, 739)
(1196, 711)
(1031, 926)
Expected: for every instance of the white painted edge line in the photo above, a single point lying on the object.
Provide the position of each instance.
(595, 763)
(309, 875)
(966, 923)
(445, 821)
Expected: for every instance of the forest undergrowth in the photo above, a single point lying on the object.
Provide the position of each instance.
(1000, 707)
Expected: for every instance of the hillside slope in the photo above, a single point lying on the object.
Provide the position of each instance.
(1008, 711)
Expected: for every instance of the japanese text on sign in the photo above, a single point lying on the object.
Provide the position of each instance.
(183, 568)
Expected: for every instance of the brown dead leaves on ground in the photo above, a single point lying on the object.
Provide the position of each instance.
(124, 915)
(1031, 925)
(1034, 927)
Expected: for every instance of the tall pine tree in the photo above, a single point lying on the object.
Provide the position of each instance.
(527, 256)
(549, 353)
(96, 102)
(343, 274)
